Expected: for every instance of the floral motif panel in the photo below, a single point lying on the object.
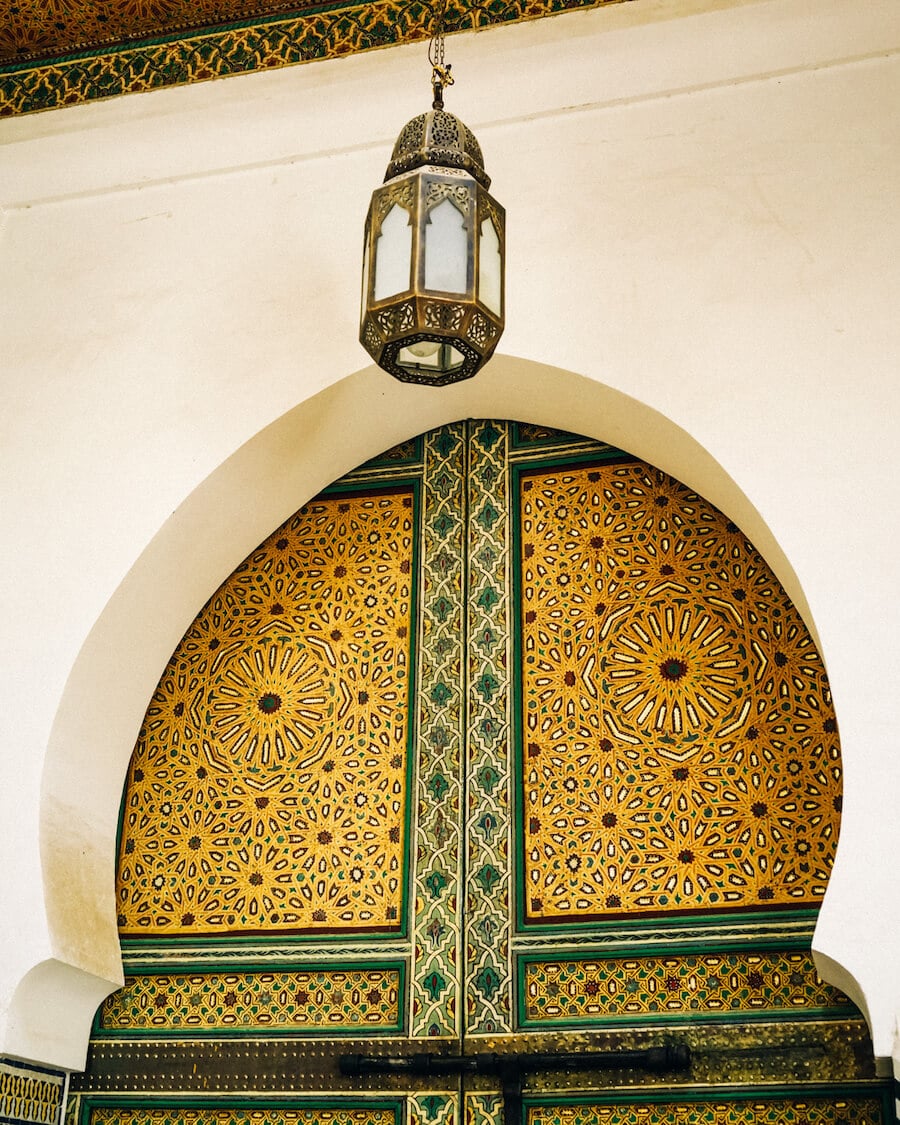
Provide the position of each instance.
(603, 990)
(680, 747)
(331, 1001)
(832, 1109)
(268, 790)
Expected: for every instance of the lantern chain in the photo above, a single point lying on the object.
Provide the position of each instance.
(440, 71)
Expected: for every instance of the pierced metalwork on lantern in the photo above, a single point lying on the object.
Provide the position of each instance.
(433, 266)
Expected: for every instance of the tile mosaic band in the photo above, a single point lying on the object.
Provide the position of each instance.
(754, 1108)
(764, 985)
(217, 1114)
(340, 1001)
(436, 980)
(30, 1095)
(488, 839)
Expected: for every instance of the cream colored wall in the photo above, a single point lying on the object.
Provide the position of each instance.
(702, 224)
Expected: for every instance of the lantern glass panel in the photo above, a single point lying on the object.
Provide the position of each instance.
(430, 356)
(490, 268)
(393, 252)
(446, 249)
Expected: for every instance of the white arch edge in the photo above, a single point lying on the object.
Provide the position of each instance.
(53, 1000)
(254, 490)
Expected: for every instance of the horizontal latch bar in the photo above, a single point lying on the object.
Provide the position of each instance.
(657, 1060)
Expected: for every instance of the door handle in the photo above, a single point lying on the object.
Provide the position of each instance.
(513, 1069)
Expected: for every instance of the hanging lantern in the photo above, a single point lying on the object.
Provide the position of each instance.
(433, 264)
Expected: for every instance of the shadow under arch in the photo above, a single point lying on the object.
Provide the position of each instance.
(247, 496)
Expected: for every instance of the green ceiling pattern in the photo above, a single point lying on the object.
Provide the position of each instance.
(56, 53)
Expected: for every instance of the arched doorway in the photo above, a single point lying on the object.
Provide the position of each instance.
(507, 743)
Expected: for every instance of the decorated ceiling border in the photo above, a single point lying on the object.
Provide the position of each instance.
(176, 60)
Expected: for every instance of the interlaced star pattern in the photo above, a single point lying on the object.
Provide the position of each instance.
(268, 786)
(679, 745)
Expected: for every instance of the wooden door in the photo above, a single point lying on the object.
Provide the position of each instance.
(505, 744)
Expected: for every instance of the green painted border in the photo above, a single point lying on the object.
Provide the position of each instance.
(658, 921)
(173, 1103)
(768, 1015)
(878, 1088)
(322, 32)
(268, 1031)
(697, 944)
(416, 459)
(171, 942)
(549, 444)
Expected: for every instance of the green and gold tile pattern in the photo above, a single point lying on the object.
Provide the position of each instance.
(223, 1116)
(334, 1001)
(41, 69)
(831, 1110)
(764, 984)
(537, 723)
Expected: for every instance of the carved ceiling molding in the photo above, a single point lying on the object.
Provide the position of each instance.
(82, 68)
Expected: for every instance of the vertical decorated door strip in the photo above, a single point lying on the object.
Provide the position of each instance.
(437, 962)
(489, 988)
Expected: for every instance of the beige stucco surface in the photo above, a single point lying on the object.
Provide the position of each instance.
(704, 267)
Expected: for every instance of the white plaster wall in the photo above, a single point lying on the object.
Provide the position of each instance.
(702, 212)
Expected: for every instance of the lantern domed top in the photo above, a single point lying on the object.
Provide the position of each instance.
(437, 138)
